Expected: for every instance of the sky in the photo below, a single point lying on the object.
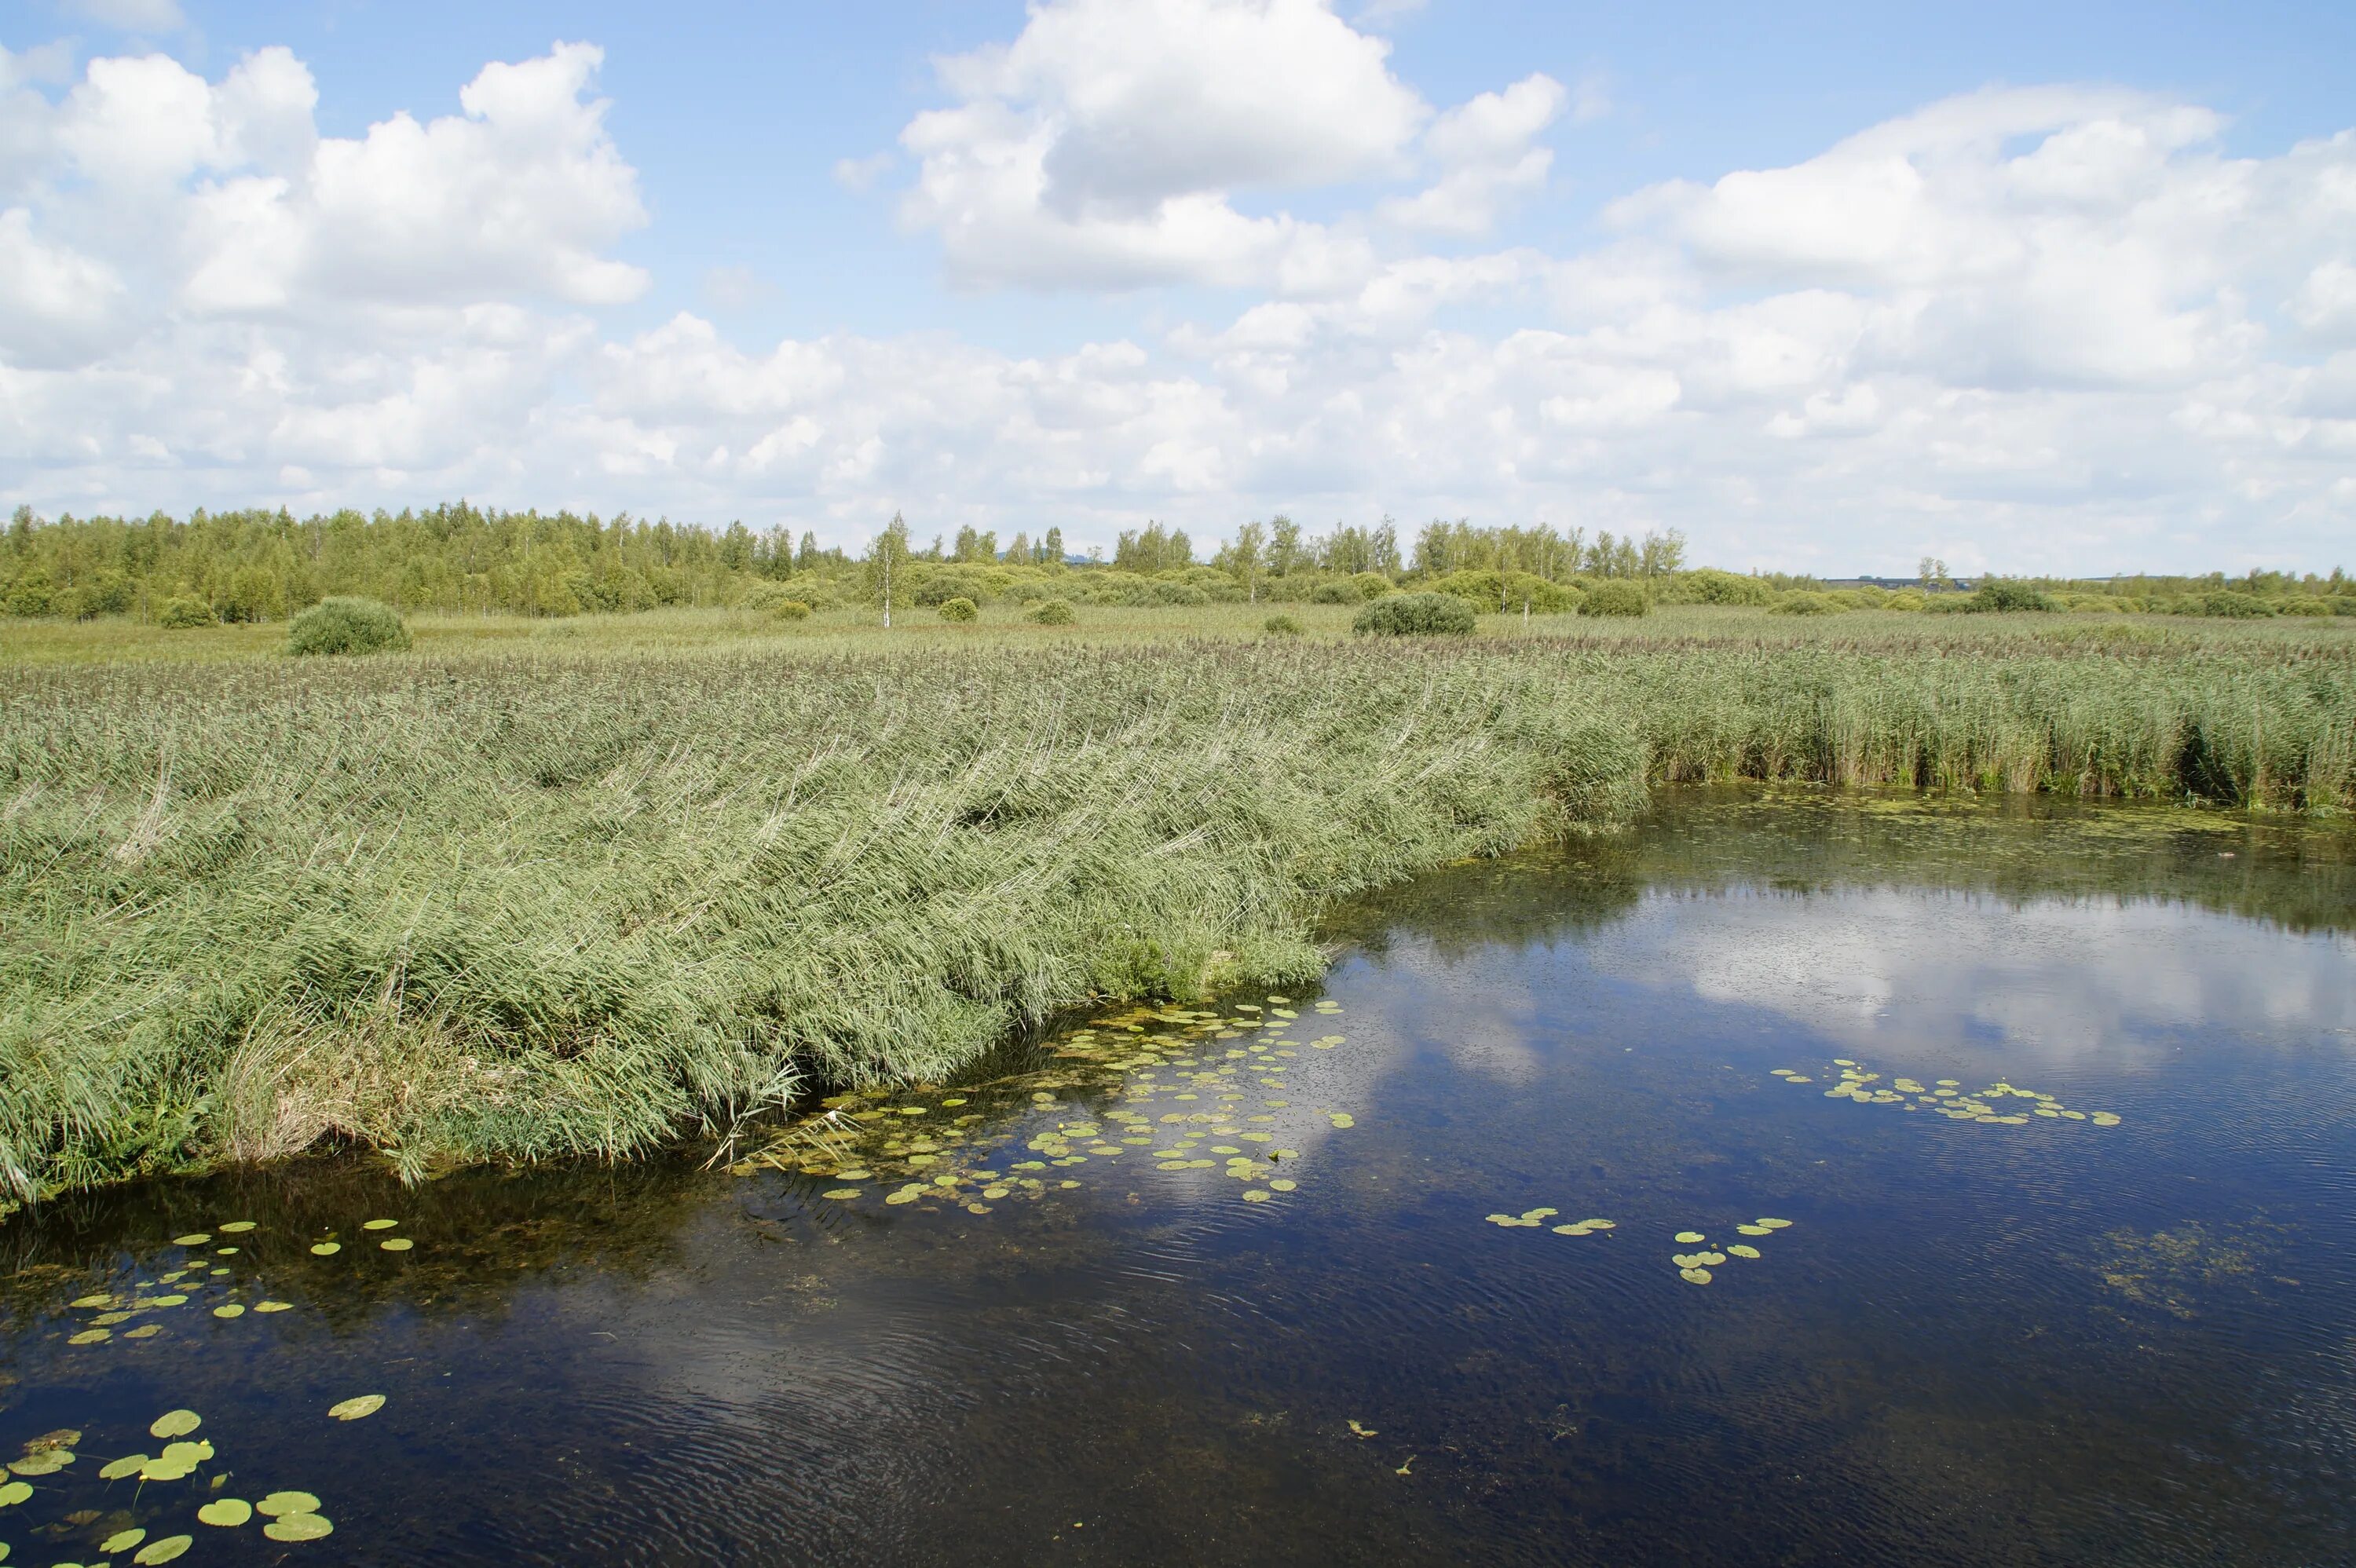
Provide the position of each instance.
(2054, 288)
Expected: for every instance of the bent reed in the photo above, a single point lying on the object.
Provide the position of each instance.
(513, 906)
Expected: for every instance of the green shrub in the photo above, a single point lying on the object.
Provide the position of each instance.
(2305, 607)
(2233, 604)
(1414, 615)
(1052, 613)
(1710, 586)
(1371, 584)
(2343, 604)
(31, 594)
(1281, 626)
(1616, 597)
(1906, 599)
(2000, 597)
(180, 613)
(346, 627)
(790, 610)
(1804, 603)
(959, 609)
(1335, 594)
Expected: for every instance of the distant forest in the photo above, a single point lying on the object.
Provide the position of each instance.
(460, 559)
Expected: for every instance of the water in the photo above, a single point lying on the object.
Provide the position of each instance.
(1976, 1342)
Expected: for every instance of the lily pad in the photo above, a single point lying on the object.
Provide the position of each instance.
(237, 1227)
(195, 1239)
(14, 1492)
(163, 1550)
(46, 1462)
(841, 1192)
(115, 1470)
(1254, 1195)
(1776, 1225)
(100, 1300)
(326, 1249)
(1739, 1251)
(1693, 1275)
(122, 1541)
(231, 1309)
(273, 1307)
(278, 1503)
(1689, 1237)
(396, 1244)
(176, 1423)
(91, 1337)
(226, 1513)
(378, 1225)
(354, 1409)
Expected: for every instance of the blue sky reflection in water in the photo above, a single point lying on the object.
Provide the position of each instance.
(2038, 1341)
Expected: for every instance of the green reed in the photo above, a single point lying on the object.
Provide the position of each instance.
(526, 900)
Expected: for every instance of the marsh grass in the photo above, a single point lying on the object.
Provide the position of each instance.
(526, 892)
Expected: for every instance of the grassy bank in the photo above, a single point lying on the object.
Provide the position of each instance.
(536, 896)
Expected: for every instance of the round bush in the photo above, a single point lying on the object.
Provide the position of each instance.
(1906, 599)
(346, 627)
(2236, 605)
(184, 611)
(2305, 607)
(2005, 596)
(1335, 594)
(1052, 612)
(1371, 584)
(1613, 597)
(1805, 604)
(1414, 615)
(1709, 585)
(1281, 626)
(790, 610)
(959, 609)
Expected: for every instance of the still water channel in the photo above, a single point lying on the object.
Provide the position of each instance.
(2054, 1110)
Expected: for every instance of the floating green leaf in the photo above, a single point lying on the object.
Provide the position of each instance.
(226, 1513)
(88, 1301)
(326, 1249)
(14, 1492)
(1693, 1275)
(278, 1503)
(1689, 1237)
(378, 1225)
(127, 1466)
(176, 1423)
(1776, 1225)
(237, 1227)
(163, 1550)
(1741, 1251)
(354, 1409)
(298, 1527)
(196, 1240)
(122, 1541)
(396, 1244)
(840, 1192)
(231, 1309)
(273, 1307)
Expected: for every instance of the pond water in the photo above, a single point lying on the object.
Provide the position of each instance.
(2060, 1148)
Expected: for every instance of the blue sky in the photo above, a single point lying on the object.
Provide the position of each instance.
(2083, 298)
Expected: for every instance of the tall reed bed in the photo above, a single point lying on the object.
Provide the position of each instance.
(511, 907)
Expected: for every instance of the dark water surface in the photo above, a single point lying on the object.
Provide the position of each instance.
(2035, 1340)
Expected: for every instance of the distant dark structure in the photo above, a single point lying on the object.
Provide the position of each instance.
(1953, 584)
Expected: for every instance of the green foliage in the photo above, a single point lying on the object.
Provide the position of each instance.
(1371, 584)
(2231, 605)
(2303, 607)
(184, 611)
(1414, 615)
(1052, 613)
(1281, 626)
(1331, 592)
(346, 627)
(31, 594)
(790, 610)
(960, 610)
(1804, 603)
(2003, 595)
(1906, 600)
(1615, 596)
(1711, 586)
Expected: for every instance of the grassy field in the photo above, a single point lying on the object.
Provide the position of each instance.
(550, 888)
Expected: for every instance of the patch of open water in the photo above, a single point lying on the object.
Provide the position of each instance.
(2062, 1133)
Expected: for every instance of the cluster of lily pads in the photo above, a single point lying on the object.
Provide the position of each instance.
(1180, 1082)
(287, 1516)
(1948, 1097)
(203, 1265)
(1695, 1267)
(1530, 1219)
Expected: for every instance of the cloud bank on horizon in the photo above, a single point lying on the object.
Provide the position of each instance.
(2048, 327)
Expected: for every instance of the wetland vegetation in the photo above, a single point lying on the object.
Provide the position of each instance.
(535, 889)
